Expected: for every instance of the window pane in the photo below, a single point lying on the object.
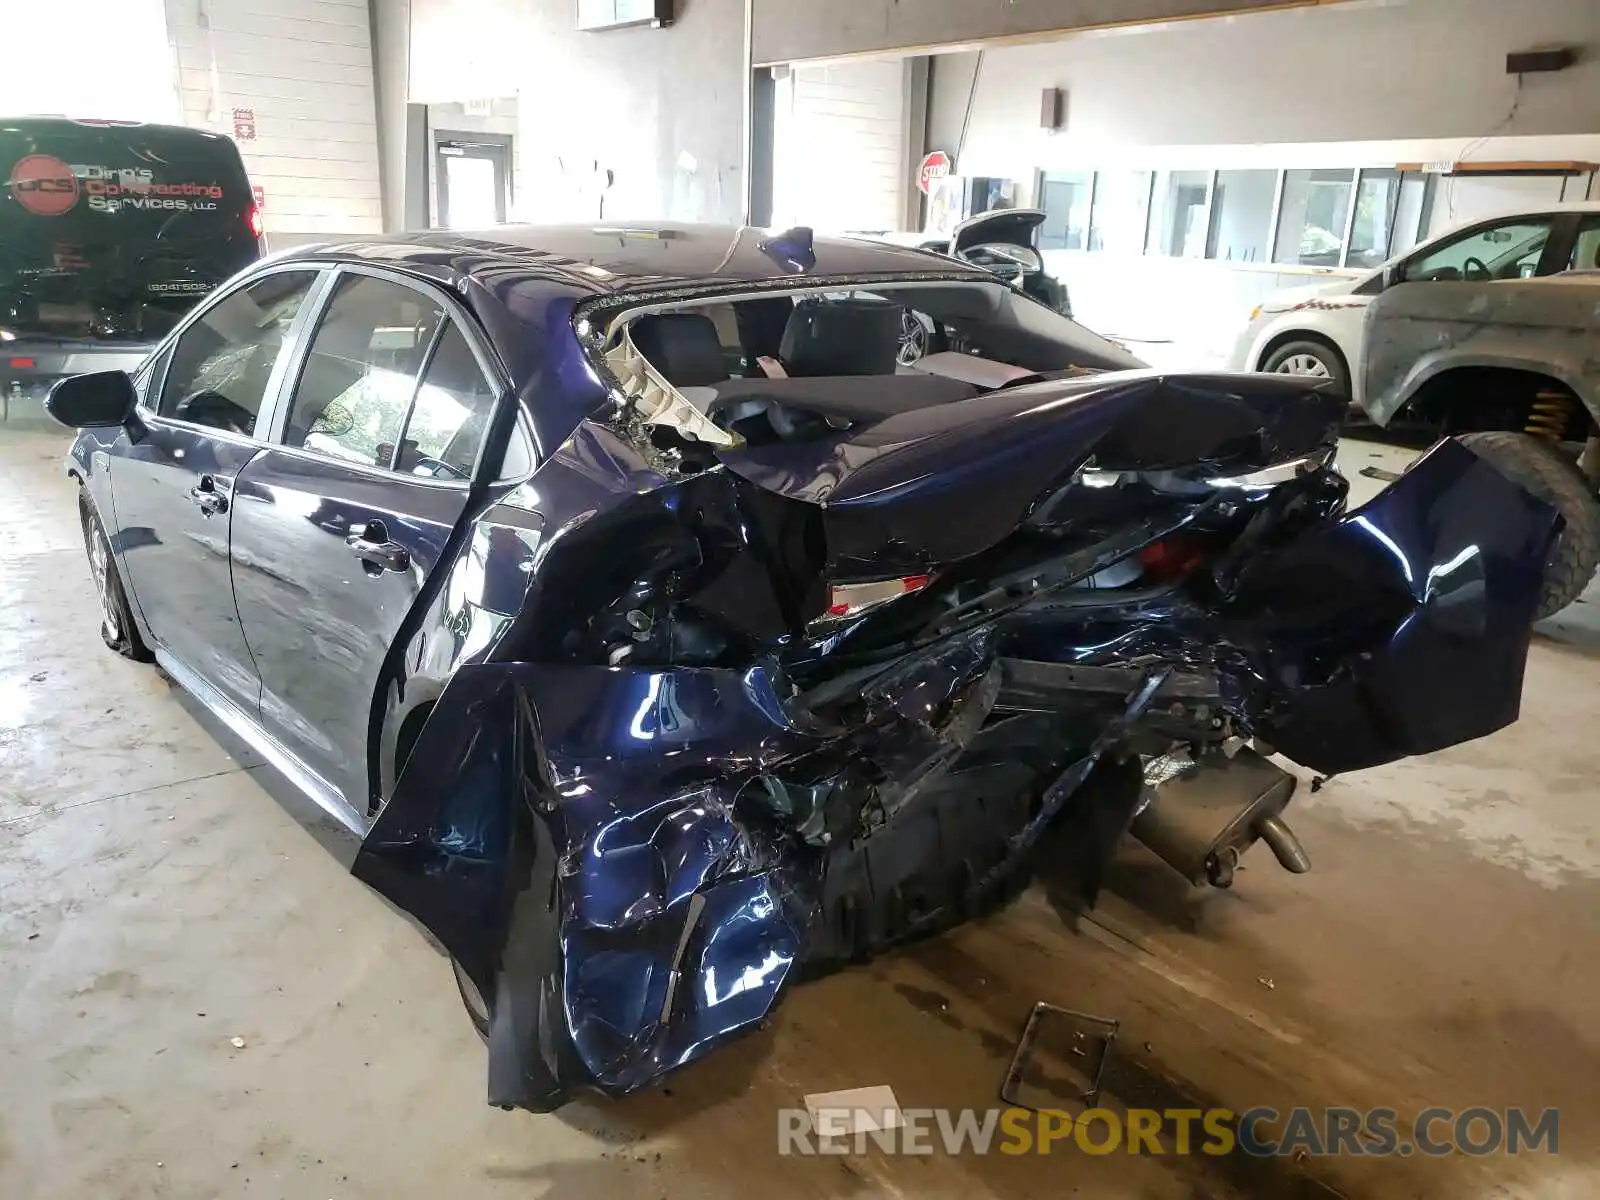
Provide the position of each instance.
(1121, 211)
(1505, 250)
(1241, 216)
(1411, 222)
(1177, 216)
(222, 364)
(356, 386)
(1316, 205)
(451, 414)
(1586, 250)
(1377, 210)
(1065, 200)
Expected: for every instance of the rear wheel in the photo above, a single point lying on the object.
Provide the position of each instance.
(472, 1000)
(117, 629)
(1312, 358)
(1550, 475)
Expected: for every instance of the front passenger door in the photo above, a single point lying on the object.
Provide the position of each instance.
(338, 523)
(173, 486)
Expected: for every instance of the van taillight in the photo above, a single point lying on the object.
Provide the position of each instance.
(253, 217)
(23, 364)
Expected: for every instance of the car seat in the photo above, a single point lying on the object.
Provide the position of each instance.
(683, 348)
(842, 337)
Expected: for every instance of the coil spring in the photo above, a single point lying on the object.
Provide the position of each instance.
(1550, 415)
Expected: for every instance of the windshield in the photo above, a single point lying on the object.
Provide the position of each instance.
(113, 232)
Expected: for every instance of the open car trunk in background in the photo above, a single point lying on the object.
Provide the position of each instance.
(1006, 226)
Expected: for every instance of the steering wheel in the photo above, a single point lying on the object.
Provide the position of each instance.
(437, 468)
(1478, 265)
(216, 410)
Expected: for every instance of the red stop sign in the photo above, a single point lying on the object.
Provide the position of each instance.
(935, 166)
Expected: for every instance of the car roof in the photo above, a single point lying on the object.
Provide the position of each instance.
(615, 258)
(58, 126)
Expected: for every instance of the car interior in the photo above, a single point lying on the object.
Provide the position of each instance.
(784, 369)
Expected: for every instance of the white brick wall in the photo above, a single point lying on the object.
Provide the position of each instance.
(305, 68)
(840, 146)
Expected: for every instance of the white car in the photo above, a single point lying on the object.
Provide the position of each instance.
(1317, 330)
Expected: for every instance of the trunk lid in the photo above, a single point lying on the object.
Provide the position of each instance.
(931, 485)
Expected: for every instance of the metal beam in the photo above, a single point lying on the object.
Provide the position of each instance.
(782, 31)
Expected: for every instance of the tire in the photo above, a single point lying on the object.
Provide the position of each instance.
(1310, 357)
(117, 628)
(472, 1000)
(1550, 475)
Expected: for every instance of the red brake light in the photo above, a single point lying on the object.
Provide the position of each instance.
(23, 364)
(1170, 558)
(253, 216)
(847, 599)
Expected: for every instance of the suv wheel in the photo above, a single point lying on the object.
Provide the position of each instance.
(1554, 478)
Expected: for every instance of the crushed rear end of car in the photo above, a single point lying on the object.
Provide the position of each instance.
(774, 703)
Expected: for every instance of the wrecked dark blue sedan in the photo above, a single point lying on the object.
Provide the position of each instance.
(669, 632)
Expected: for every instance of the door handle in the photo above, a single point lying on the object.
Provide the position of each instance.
(210, 496)
(372, 545)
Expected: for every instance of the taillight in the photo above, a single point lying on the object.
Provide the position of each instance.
(253, 216)
(23, 364)
(849, 599)
(1171, 558)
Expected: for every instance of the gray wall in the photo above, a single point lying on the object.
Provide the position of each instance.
(660, 108)
(787, 30)
(950, 83)
(1425, 68)
(391, 39)
(305, 69)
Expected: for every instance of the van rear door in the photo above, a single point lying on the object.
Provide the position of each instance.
(111, 232)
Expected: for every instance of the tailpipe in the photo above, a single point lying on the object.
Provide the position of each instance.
(1200, 818)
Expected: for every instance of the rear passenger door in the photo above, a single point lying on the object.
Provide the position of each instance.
(339, 521)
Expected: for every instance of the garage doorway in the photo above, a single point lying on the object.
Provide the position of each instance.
(472, 174)
(839, 145)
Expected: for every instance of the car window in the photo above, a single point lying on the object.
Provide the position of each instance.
(451, 414)
(222, 364)
(1586, 247)
(1505, 250)
(351, 398)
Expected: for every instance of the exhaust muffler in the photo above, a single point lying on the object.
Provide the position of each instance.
(1200, 818)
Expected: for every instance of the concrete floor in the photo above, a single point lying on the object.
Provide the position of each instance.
(162, 892)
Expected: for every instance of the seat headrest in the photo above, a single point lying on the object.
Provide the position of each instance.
(683, 347)
(842, 337)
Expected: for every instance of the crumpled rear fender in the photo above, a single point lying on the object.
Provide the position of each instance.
(562, 830)
(569, 833)
(1403, 627)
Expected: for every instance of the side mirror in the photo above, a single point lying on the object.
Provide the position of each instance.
(98, 400)
(1394, 273)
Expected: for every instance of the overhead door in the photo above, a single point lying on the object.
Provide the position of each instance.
(839, 146)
